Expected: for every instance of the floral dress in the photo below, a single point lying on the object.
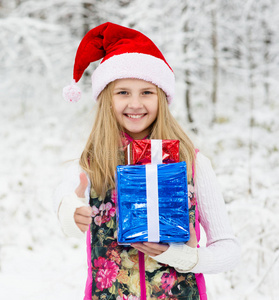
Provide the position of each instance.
(115, 268)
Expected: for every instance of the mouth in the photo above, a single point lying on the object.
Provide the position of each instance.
(135, 116)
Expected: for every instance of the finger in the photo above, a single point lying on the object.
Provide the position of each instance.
(82, 227)
(82, 219)
(80, 190)
(157, 246)
(84, 211)
(146, 250)
(193, 242)
(152, 251)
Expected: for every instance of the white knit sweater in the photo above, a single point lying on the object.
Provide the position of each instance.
(222, 251)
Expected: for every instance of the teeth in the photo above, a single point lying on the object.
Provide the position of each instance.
(135, 116)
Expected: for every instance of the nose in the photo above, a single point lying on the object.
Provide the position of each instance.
(135, 102)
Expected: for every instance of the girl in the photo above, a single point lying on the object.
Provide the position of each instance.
(133, 86)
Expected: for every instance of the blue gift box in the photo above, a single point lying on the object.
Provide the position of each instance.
(152, 203)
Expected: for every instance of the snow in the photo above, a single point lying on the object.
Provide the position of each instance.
(40, 132)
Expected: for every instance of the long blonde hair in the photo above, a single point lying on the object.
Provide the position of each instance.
(103, 151)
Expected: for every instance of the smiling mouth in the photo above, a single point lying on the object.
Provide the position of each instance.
(135, 116)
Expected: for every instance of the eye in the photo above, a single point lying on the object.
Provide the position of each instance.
(147, 93)
(122, 93)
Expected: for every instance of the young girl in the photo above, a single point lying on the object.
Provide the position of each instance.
(133, 86)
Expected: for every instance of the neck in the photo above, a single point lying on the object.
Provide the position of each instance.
(130, 139)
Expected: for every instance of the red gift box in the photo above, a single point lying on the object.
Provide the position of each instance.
(142, 152)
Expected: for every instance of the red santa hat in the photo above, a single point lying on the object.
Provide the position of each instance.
(125, 53)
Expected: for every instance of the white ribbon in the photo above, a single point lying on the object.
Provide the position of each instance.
(152, 203)
(152, 191)
(156, 152)
(128, 154)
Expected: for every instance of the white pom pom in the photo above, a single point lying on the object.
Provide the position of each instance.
(72, 93)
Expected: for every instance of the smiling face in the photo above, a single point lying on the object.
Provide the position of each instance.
(135, 104)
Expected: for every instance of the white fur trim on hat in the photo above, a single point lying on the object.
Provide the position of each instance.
(134, 65)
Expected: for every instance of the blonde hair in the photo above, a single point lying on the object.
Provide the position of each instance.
(104, 151)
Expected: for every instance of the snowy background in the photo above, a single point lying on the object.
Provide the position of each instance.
(225, 57)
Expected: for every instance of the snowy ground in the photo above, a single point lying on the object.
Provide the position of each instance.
(40, 132)
(36, 260)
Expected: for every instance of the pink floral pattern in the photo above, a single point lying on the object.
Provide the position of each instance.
(191, 196)
(168, 280)
(106, 274)
(113, 255)
(103, 214)
(113, 196)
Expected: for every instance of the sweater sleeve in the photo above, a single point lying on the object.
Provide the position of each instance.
(68, 185)
(222, 251)
(66, 201)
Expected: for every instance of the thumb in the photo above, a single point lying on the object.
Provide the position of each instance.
(193, 242)
(80, 190)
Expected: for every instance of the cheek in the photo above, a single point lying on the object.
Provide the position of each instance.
(155, 109)
(117, 107)
(118, 114)
(119, 103)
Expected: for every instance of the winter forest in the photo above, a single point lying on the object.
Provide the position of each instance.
(225, 56)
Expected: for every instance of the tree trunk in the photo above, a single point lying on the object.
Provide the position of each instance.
(187, 73)
(188, 96)
(214, 41)
(251, 67)
(267, 43)
(87, 7)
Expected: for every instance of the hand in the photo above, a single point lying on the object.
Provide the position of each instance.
(82, 215)
(154, 249)
(149, 248)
